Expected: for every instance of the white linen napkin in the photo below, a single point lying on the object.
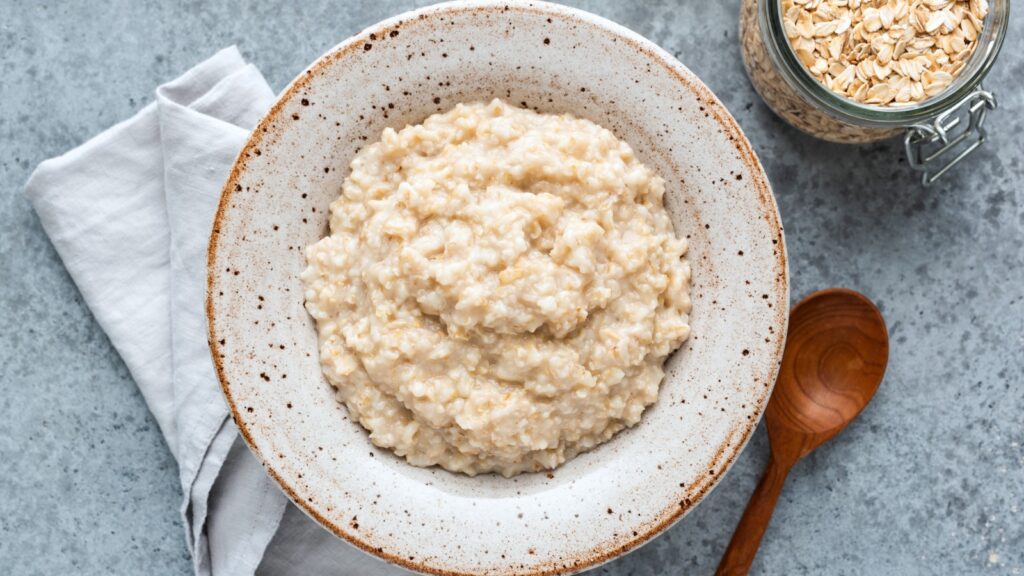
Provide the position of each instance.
(130, 214)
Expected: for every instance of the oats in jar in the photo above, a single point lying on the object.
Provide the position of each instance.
(499, 289)
(884, 52)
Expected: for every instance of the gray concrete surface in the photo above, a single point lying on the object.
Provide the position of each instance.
(930, 480)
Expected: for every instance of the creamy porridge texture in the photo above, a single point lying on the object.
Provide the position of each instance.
(499, 289)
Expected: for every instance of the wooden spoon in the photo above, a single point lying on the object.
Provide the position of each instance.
(834, 360)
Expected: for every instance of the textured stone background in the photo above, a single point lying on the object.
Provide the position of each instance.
(930, 480)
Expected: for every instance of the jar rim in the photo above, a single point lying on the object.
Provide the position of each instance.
(847, 110)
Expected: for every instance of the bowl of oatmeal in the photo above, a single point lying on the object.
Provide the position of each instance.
(462, 283)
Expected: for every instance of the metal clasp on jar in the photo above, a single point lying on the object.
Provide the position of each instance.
(933, 150)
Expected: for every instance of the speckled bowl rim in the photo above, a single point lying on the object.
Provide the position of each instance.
(725, 455)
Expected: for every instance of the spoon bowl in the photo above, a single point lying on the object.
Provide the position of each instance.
(834, 360)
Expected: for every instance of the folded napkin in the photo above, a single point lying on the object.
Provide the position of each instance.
(130, 214)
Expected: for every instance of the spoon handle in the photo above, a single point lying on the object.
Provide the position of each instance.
(747, 537)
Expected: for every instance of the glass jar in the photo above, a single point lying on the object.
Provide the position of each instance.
(938, 131)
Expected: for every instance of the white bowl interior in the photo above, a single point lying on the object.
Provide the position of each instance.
(552, 59)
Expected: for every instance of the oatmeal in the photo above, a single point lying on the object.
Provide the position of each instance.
(499, 289)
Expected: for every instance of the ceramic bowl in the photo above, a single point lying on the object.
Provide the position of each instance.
(552, 59)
